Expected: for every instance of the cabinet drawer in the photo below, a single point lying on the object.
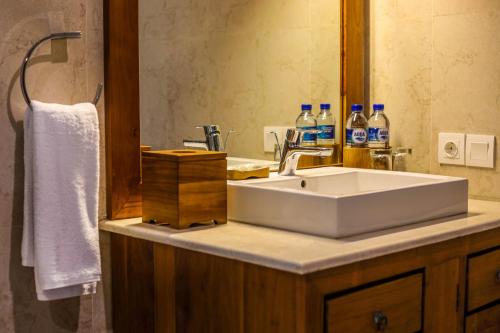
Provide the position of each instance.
(486, 321)
(483, 279)
(394, 306)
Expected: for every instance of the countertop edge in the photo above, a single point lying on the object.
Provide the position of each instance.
(365, 249)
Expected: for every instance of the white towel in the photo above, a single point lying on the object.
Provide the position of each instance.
(60, 235)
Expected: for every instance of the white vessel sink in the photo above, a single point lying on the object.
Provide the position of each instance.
(338, 202)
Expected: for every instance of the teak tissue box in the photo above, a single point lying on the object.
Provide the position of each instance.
(184, 187)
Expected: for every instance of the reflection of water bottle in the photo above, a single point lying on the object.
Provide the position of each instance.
(378, 128)
(326, 126)
(307, 121)
(356, 135)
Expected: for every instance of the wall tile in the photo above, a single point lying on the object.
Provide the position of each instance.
(466, 88)
(65, 72)
(401, 47)
(435, 64)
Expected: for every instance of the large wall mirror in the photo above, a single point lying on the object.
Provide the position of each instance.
(171, 65)
(239, 64)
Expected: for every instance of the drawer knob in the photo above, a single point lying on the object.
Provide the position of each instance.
(497, 276)
(380, 320)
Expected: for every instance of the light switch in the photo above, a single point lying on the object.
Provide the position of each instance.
(480, 151)
(451, 148)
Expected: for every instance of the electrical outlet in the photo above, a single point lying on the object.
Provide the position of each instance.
(451, 148)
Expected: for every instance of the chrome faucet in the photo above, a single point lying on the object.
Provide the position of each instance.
(292, 150)
(213, 139)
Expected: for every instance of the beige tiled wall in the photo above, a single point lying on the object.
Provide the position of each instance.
(436, 65)
(240, 64)
(50, 78)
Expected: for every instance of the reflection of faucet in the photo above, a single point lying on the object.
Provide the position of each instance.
(212, 140)
(292, 150)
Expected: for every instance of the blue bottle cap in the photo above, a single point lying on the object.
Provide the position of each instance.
(324, 106)
(306, 107)
(378, 107)
(356, 107)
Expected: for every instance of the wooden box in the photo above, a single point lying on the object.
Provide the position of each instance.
(184, 187)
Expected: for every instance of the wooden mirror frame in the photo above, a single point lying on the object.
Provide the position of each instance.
(121, 72)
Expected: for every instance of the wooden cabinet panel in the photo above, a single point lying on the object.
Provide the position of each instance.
(486, 321)
(484, 279)
(133, 293)
(444, 296)
(272, 301)
(207, 292)
(397, 304)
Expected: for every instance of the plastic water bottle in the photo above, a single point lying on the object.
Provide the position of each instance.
(326, 126)
(307, 121)
(356, 134)
(378, 128)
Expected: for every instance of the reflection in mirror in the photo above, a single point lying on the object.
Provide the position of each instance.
(238, 64)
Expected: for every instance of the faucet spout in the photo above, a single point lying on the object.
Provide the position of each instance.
(293, 150)
(199, 144)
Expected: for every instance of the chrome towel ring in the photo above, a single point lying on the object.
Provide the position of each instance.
(22, 73)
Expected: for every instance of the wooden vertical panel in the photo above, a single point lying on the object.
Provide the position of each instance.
(133, 289)
(119, 285)
(164, 261)
(142, 295)
(208, 293)
(121, 75)
(273, 301)
(444, 306)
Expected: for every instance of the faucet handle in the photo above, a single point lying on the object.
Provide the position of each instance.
(292, 135)
(209, 129)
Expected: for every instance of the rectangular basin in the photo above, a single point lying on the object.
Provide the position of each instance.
(339, 202)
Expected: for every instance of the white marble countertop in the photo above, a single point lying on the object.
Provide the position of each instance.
(301, 253)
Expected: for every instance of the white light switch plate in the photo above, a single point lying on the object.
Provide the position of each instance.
(451, 148)
(269, 138)
(480, 151)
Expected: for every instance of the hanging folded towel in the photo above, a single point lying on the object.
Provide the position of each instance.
(60, 236)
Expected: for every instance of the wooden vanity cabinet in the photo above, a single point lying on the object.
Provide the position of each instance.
(447, 287)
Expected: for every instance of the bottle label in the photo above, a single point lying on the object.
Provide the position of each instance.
(327, 132)
(359, 136)
(308, 137)
(356, 136)
(378, 134)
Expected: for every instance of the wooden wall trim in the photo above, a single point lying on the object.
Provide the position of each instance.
(355, 18)
(121, 73)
